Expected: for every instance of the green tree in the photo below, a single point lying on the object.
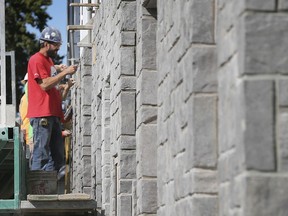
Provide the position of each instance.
(19, 14)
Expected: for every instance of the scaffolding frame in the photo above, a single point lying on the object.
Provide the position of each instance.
(9, 135)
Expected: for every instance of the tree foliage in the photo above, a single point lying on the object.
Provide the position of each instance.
(19, 14)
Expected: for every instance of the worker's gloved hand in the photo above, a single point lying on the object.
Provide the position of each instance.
(71, 69)
(66, 133)
(60, 67)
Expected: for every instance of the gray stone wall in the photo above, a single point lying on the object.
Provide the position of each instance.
(187, 108)
(180, 108)
(252, 67)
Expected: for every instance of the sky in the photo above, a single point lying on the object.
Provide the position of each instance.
(58, 11)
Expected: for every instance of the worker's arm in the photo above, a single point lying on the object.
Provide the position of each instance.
(67, 87)
(50, 82)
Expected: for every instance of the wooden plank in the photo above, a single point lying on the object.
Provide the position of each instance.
(79, 44)
(74, 196)
(35, 197)
(59, 197)
(67, 164)
(79, 27)
(59, 206)
(83, 5)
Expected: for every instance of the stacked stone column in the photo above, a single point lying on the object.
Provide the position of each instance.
(146, 100)
(253, 67)
(81, 145)
(115, 118)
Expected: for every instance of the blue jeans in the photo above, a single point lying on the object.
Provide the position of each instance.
(48, 152)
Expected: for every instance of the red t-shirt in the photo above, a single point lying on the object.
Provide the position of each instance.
(42, 103)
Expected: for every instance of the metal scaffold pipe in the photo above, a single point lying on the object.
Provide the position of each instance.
(3, 63)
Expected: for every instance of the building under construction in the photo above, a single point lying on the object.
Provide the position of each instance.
(180, 108)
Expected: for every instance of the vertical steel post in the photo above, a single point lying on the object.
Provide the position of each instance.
(17, 165)
(89, 16)
(72, 51)
(3, 63)
(13, 78)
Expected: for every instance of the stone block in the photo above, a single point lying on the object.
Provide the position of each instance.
(87, 56)
(147, 193)
(86, 86)
(106, 157)
(86, 171)
(160, 194)
(203, 21)
(125, 186)
(86, 110)
(229, 165)
(202, 151)
(106, 191)
(93, 165)
(127, 60)
(105, 114)
(146, 151)
(229, 33)
(282, 5)
(86, 125)
(162, 127)
(98, 167)
(164, 98)
(134, 198)
(258, 125)
(127, 110)
(265, 52)
(127, 83)
(174, 132)
(127, 165)
(86, 141)
(87, 190)
(264, 5)
(184, 207)
(99, 195)
(127, 142)
(147, 86)
(125, 206)
(200, 74)
(181, 109)
(282, 93)
(230, 99)
(106, 93)
(204, 181)
(265, 195)
(147, 115)
(105, 171)
(283, 141)
(128, 38)
(85, 71)
(204, 205)
(148, 36)
(128, 16)
(86, 151)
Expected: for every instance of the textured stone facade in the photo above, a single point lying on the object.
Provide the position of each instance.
(180, 108)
